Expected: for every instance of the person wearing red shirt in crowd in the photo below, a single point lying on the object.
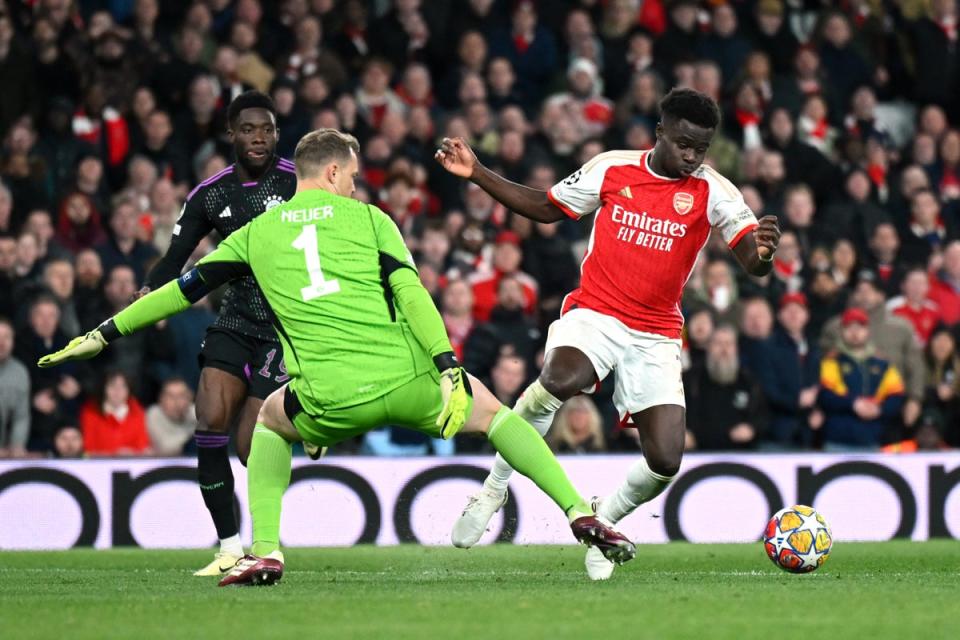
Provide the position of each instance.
(914, 307)
(113, 421)
(945, 286)
(457, 311)
(507, 257)
(653, 212)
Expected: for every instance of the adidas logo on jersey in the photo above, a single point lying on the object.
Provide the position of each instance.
(226, 213)
(626, 193)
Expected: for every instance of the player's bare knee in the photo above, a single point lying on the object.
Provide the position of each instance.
(212, 416)
(664, 463)
(562, 384)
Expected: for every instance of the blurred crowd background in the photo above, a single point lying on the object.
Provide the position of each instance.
(838, 117)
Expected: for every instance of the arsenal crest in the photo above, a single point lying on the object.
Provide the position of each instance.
(682, 203)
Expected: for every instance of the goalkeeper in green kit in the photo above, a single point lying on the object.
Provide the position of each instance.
(363, 343)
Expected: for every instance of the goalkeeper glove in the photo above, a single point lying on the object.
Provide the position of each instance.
(80, 348)
(455, 390)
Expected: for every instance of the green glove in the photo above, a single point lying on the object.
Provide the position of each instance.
(456, 397)
(80, 348)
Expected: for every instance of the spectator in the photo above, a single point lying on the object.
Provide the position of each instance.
(800, 209)
(724, 404)
(861, 394)
(827, 299)
(914, 307)
(725, 45)
(172, 421)
(68, 442)
(756, 327)
(933, 40)
(112, 420)
(814, 128)
(55, 391)
(718, 290)
(40, 224)
(927, 230)
(772, 35)
(507, 328)
(882, 256)
(854, 212)
(310, 56)
(507, 378)
(845, 261)
(577, 428)
(88, 271)
(58, 278)
(161, 148)
(14, 397)
(945, 285)
(128, 354)
(848, 69)
(457, 311)
(890, 335)
(530, 46)
(507, 256)
(943, 381)
(374, 96)
(680, 40)
(123, 248)
(789, 374)
(697, 331)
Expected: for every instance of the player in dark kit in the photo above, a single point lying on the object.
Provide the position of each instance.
(241, 360)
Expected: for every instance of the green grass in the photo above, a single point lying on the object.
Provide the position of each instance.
(884, 590)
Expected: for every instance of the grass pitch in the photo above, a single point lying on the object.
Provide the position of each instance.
(883, 590)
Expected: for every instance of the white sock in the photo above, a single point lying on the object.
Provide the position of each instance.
(232, 545)
(537, 406)
(641, 485)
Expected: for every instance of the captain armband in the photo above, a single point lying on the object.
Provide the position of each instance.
(192, 285)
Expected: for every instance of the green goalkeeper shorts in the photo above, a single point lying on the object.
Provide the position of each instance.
(415, 405)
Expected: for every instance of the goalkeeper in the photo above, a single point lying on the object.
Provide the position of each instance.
(363, 344)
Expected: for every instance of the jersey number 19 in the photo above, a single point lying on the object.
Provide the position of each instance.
(307, 242)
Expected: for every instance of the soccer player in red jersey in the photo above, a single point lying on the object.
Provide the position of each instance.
(654, 212)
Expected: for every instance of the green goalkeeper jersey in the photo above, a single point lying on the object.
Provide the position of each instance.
(324, 264)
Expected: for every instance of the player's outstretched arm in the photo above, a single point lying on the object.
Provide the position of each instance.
(456, 156)
(755, 250)
(169, 300)
(166, 301)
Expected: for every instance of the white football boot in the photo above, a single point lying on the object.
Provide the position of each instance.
(473, 522)
(221, 564)
(598, 567)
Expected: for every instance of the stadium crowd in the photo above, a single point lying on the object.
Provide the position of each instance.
(838, 118)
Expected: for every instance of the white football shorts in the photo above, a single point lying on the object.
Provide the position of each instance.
(648, 368)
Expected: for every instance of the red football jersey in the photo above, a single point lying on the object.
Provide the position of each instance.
(646, 235)
(924, 319)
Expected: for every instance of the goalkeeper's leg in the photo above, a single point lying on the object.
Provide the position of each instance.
(566, 372)
(524, 449)
(268, 476)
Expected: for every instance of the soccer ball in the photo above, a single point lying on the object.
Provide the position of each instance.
(798, 539)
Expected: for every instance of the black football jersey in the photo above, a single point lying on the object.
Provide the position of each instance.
(225, 204)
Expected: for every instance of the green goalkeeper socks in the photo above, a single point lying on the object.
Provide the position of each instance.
(524, 448)
(268, 476)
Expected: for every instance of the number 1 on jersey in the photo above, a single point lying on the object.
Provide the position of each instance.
(307, 242)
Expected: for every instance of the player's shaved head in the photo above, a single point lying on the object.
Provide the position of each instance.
(321, 147)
